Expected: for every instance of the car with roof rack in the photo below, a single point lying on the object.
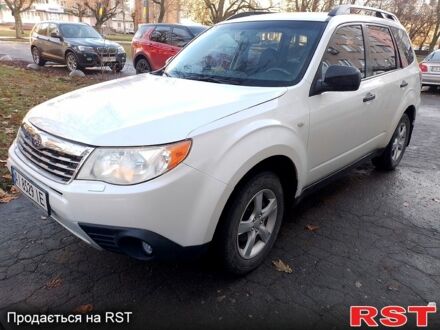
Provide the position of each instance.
(253, 115)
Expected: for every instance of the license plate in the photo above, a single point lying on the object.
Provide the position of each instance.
(31, 190)
(435, 69)
(109, 59)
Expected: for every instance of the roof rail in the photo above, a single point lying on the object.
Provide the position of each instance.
(346, 10)
(248, 13)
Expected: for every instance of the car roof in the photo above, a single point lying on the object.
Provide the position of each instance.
(174, 24)
(314, 17)
(63, 22)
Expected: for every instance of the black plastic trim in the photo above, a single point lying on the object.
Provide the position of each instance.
(128, 241)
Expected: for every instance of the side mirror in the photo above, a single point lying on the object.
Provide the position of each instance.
(56, 35)
(169, 60)
(339, 78)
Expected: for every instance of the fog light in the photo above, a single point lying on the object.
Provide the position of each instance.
(147, 248)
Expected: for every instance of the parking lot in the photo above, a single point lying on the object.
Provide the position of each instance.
(377, 244)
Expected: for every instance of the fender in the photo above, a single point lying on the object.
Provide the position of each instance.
(407, 101)
(246, 143)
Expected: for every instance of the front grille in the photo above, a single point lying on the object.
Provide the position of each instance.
(55, 158)
(106, 51)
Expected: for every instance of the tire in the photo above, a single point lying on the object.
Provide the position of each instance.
(117, 67)
(142, 66)
(36, 56)
(258, 224)
(395, 150)
(72, 62)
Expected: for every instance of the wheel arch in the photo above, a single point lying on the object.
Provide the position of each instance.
(282, 166)
(411, 112)
(139, 56)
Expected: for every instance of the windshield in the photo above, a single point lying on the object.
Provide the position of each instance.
(265, 53)
(78, 31)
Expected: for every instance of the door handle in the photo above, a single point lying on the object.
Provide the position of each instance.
(369, 97)
(403, 84)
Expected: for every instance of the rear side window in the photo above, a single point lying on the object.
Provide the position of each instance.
(162, 34)
(180, 37)
(346, 47)
(404, 45)
(382, 52)
(42, 29)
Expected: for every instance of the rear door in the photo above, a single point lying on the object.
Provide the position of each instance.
(55, 45)
(161, 47)
(384, 70)
(41, 39)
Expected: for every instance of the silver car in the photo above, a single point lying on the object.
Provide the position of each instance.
(430, 68)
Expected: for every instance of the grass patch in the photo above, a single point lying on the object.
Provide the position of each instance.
(6, 31)
(20, 90)
(120, 37)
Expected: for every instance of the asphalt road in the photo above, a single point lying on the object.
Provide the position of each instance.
(21, 51)
(378, 243)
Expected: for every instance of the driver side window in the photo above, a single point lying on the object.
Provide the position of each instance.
(346, 47)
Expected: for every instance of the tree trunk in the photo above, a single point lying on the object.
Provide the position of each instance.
(80, 18)
(98, 26)
(18, 24)
(161, 12)
(123, 18)
(435, 37)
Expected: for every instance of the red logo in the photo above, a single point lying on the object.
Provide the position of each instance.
(390, 316)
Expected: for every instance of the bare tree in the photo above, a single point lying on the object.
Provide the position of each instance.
(102, 10)
(78, 9)
(162, 9)
(17, 7)
(436, 29)
(219, 10)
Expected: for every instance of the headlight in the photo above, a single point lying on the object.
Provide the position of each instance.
(86, 49)
(126, 166)
(121, 50)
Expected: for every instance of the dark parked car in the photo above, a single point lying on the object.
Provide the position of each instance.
(154, 44)
(77, 45)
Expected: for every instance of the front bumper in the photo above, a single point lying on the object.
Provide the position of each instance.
(430, 79)
(177, 209)
(93, 60)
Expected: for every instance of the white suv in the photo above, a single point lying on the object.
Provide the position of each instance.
(251, 116)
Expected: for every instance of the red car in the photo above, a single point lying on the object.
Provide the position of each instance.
(154, 44)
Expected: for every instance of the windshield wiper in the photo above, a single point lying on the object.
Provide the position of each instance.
(215, 79)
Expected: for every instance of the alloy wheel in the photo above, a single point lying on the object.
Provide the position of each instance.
(257, 224)
(399, 142)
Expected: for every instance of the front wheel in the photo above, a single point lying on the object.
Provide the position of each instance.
(116, 67)
(393, 153)
(72, 62)
(250, 223)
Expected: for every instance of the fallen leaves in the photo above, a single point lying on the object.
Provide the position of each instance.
(83, 309)
(54, 283)
(358, 284)
(7, 197)
(311, 227)
(437, 200)
(405, 204)
(281, 266)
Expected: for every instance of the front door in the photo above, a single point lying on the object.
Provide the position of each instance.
(339, 121)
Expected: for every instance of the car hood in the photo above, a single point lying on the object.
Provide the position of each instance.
(143, 110)
(91, 42)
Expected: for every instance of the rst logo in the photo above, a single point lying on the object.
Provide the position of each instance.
(390, 316)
